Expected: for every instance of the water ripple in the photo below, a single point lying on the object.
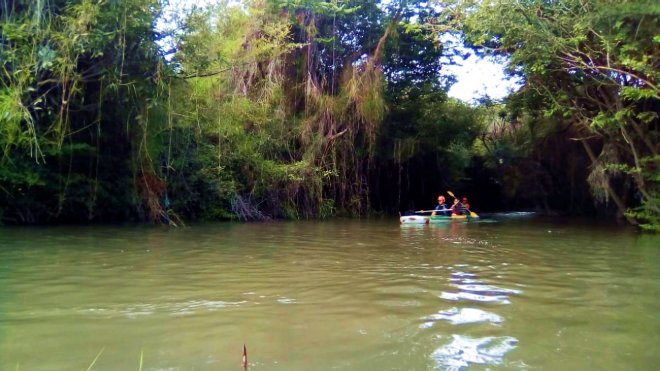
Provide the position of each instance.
(459, 316)
(464, 351)
(455, 296)
(487, 289)
(370, 295)
(460, 274)
(131, 310)
(284, 300)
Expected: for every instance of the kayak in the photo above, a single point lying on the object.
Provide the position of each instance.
(454, 218)
(415, 219)
(428, 219)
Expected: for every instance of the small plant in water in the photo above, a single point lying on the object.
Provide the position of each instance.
(101, 352)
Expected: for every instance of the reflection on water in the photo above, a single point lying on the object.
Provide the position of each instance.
(464, 351)
(459, 316)
(475, 297)
(505, 292)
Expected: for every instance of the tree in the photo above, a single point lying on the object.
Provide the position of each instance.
(593, 65)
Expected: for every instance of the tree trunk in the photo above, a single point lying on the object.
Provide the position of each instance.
(608, 188)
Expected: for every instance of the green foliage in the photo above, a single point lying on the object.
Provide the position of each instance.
(314, 108)
(287, 105)
(67, 66)
(237, 133)
(594, 66)
(426, 143)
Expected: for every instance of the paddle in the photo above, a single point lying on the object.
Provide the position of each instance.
(430, 211)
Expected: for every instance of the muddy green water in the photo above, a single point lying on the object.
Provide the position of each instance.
(509, 293)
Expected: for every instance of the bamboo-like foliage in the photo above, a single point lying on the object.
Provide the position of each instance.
(303, 146)
(343, 125)
(67, 65)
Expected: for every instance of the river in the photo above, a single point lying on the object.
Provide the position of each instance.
(510, 292)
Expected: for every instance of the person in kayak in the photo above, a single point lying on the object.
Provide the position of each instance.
(466, 204)
(441, 208)
(458, 209)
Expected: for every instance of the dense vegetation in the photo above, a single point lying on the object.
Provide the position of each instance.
(591, 78)
(311, 108)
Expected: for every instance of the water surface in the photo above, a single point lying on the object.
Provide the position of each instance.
(505, 293)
